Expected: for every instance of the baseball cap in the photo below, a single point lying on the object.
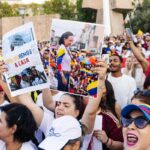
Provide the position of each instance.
(144, 108)
(63, 129)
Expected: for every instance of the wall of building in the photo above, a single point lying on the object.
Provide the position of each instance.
(116, 17)
(42, 25)
(117, 26)
(94, 4)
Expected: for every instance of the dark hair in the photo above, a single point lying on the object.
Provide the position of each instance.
(147, 82)
(64, 36)
(78, 101)
(120, 58)
(142, 95)
(20, 115)
(47, 50)
(108, 101)
(124, 47)
(72, 142)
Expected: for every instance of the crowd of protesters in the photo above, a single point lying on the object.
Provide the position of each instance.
(124, 83)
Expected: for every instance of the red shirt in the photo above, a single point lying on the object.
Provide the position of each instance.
(147, 72)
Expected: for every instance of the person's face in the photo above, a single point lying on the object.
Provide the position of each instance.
(66, 106)
(147, 40)
(115, 64)
(124, 51)
(135, 138)
(25, 78)
(68, 41)
(46, 55)
(74, 146)
(34, 72)
(5, 131)
(129, 62)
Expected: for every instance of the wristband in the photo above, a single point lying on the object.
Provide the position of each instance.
(110, 145)
(107, 141)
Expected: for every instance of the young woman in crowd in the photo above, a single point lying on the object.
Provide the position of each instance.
(136, 127)
(111, 133)
(17, 127)
(64, 61)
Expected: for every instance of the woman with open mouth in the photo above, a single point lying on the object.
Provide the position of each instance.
(136, 127)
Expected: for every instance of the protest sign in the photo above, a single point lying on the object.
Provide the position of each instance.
(74, 49)
(20, 53)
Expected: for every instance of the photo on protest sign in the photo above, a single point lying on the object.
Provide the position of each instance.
(74, 49)
(25, 69)
(14, 40)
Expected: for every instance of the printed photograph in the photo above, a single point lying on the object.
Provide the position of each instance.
(74, 49)
(25, 68)
(15, 40)
(27, 78)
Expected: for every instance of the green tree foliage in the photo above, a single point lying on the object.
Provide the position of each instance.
(63, 7)
(35, 8)
(141, 17)
(85, 14)
(6, 10)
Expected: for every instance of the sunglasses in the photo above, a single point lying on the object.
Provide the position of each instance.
(140, 122)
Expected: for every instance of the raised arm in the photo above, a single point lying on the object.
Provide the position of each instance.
(89, 115)
(144, 63)
(48, 100)
(23, 99)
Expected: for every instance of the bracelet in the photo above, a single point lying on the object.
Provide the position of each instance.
(110, 144)
(107, 141)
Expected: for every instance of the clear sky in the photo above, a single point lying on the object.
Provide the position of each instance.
(33, 1)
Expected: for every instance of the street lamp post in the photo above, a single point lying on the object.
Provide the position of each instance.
(22, 13)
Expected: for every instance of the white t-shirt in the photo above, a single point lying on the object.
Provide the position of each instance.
(46, 123)
(25, 146)
(66, 61)
(124, 88)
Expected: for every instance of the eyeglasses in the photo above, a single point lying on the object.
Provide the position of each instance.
(140, 122)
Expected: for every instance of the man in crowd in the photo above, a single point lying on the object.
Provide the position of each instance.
(123, 85)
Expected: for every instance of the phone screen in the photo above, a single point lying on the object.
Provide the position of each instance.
(130, 34)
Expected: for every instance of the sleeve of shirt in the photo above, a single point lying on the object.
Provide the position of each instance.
(46, 123)
(132, 90)
(60, 55)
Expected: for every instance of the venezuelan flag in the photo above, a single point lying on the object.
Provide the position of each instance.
(87, 72)
(145, 107)
(60, 54)
(92, 88)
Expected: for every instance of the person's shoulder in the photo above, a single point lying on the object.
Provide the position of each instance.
(130, 81)
(62, 48)
(28, 145)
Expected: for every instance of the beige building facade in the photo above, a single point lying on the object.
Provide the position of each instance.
(42, 25)
(115, 10)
